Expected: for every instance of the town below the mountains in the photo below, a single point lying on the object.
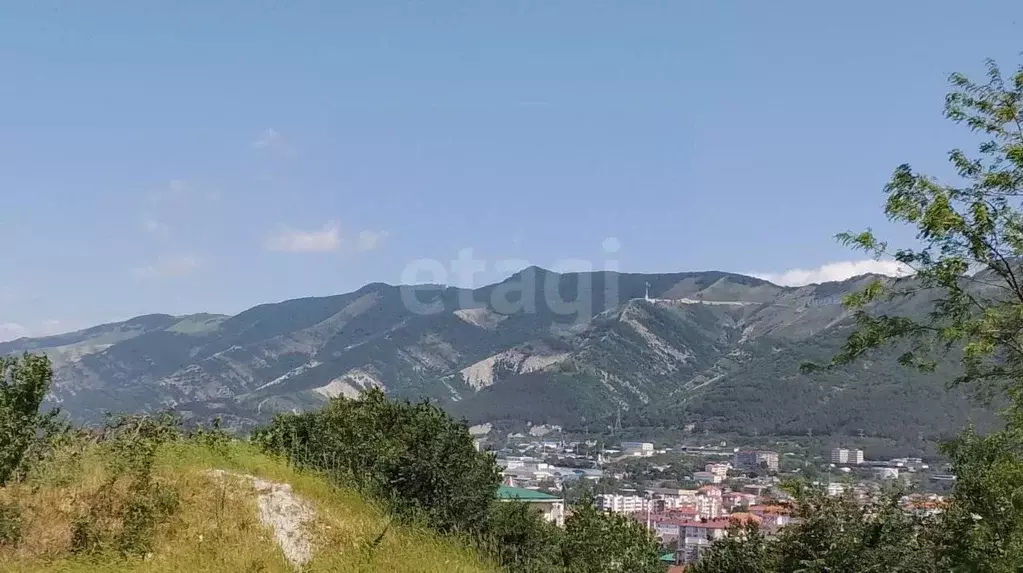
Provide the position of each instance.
(691, 493)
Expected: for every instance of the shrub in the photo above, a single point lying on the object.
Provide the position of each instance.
(414, 457)
(24, 382)
(10, 524)
(213, 437)
(520, 540)
(129, 506)
(599, 542)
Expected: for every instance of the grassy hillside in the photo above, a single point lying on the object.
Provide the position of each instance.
(215, 525)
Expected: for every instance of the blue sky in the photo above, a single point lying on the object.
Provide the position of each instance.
(199, 156)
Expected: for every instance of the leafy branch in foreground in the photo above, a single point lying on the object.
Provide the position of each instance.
(971, 237)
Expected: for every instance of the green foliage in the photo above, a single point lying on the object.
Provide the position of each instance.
(124, 514)
(971, 234)
(747, 549)
(214, 437)
(968, 266)
(832, 534)
(425, 467)
(414, 457)
(982, 529)
(521, 541)
(149, 505)
(10, 524)
(598, 542)
(24, 382)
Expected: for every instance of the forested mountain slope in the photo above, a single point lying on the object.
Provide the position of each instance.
(714, 349)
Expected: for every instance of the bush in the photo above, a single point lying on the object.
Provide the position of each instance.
(832, 534)
(10, 524)
(129, 506)
(214, 437)
(24, 382)
(414, 457)
(599, 542)
(521, 541)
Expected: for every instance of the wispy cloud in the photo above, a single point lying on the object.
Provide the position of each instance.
(325, 240)
(168, 267)
(11, 331)
(836, 271)
(270, 140)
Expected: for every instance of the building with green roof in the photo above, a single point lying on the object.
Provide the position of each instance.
(551, 506)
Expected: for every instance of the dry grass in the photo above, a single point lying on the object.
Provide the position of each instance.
(216, 527)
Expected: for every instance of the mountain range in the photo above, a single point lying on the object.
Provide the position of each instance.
(706, 350)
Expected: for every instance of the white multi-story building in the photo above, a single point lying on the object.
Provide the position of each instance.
(697, 537)
(669, 502)
(841, 456)
(618, 503)
(720, 470)
(641, 449)
(708, 503)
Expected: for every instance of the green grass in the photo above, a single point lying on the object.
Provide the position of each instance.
(216, 527)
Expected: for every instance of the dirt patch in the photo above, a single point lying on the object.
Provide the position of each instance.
(284, 512)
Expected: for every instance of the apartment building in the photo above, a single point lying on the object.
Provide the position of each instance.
(617, 503)
(756, 459)
(843, 456)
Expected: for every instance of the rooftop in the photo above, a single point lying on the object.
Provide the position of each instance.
(506, 492)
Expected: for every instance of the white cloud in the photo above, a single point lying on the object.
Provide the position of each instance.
(167, 267)
(11, 331)
(328, 239)
(272, 140)
(834, 272)
(325, 240)
(369, 240)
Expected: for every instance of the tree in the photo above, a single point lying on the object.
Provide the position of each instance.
(746, 549)
(968, 263)
(414, 457)
(831, 534)
(967, 271)
(521, 541)
(598, 542)
(24, 382)
(969, 266)
(982, 528)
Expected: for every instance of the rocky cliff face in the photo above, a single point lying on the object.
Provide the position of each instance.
(712, 348)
